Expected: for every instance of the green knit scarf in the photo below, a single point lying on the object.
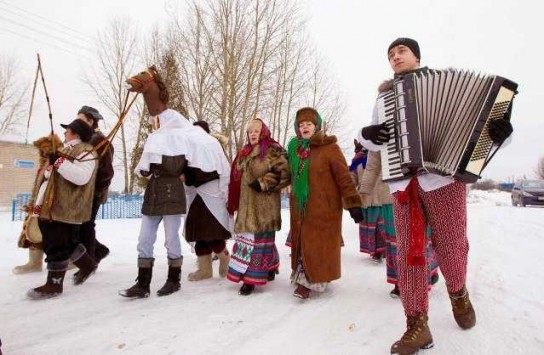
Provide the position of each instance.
(298, 152)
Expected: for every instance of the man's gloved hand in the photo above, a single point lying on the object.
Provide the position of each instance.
(499, 130)
(52, 158)
(357, 214)
(377, 134)
(256, 185)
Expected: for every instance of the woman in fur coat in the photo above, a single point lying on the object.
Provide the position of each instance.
(258, 174)
(321, 188)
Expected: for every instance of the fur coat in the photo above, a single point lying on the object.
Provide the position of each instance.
(260, 211)
(317, 235)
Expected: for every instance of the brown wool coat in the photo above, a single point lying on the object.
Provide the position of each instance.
(317, 235)
(105, 171)
(261, 211)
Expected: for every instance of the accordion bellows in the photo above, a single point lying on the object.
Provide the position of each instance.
(440, 120)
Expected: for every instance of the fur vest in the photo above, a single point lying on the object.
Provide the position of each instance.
(65, 201)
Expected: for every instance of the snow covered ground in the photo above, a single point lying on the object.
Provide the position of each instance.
(355, 315)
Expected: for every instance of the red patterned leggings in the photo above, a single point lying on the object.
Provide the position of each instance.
(446, 211)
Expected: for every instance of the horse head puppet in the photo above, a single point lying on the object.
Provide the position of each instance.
(152, 87)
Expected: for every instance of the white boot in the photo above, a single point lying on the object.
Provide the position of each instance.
(35, 262)
(224, 258)
(204, 270)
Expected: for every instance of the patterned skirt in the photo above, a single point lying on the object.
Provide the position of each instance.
(253, 257)
(373, 231)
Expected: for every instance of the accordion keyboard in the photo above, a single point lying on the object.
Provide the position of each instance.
(391, 167)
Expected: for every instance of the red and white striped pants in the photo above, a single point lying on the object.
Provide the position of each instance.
(445, 210)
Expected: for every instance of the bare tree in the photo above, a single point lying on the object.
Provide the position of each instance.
(117, 57)
(240, 59)
(12, 98)
(540, 169)
(189, 41)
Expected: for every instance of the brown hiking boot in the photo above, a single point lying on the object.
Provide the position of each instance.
(417, 336)
(463, 312)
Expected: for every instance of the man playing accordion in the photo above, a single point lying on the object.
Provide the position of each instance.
(433, 199)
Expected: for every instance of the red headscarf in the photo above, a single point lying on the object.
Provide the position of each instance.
(265, 142)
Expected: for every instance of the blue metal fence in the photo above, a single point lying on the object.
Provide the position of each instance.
(122, 206)
(17, 214)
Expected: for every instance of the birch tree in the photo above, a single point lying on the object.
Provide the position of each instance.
(12, 98)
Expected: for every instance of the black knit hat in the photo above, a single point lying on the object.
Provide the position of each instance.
(91, 113)
(82, 129)
(408, 42)
(202, 124)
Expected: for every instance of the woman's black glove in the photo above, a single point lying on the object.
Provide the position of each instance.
(357, 214)
(256, 185)
(499, 130)
(377, 134)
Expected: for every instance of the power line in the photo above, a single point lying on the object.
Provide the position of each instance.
(46, 43)
(41, 33)
(75, 32)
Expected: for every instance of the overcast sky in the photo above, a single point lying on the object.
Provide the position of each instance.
(493, 36)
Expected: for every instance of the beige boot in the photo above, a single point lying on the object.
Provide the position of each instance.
(35, 262)
(204, 269)
(224, 258)
(417, 336)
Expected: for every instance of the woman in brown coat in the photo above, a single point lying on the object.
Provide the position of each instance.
(321, 188)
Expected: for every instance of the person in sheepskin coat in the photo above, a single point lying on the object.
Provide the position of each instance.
(67, 182)
(259, 172)
(321, 188)
(31, 237)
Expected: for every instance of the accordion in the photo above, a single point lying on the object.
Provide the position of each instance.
(440, 121)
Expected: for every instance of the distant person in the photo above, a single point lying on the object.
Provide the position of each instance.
(104, 175)
(371, 231)
(442, 202)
